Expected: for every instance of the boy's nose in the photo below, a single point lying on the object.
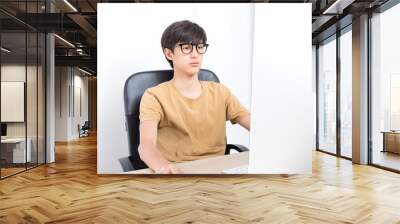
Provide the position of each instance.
(194, 52)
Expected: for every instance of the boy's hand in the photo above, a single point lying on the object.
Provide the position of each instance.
(168, 169)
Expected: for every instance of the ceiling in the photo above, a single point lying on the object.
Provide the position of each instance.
(76, 22)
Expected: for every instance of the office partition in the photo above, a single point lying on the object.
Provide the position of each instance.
(22, 77)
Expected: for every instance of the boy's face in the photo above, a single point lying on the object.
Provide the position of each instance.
(186, 57)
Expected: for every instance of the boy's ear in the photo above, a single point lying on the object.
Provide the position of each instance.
(168, 53)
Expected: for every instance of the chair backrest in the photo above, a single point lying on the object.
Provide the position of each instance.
(86, 125)
(134, 88)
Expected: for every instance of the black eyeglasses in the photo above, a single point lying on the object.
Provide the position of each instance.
(187, 48)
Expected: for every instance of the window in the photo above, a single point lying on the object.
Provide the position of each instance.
(327, 96)
(385, 89)
(346, 93)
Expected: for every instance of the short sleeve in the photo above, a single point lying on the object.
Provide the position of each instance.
(150, 108)
(234, 110)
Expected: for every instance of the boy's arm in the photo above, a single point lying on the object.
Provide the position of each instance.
(245, 122)
(235, 112)
(148, 150)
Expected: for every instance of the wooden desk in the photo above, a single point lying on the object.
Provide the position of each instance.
(391, 141)
(213, 165)
(13, 150)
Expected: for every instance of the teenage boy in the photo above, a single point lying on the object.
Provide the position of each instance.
(184, 119)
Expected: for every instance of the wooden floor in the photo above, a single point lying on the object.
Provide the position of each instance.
(10, 171)
(70, 191)
(5, 172)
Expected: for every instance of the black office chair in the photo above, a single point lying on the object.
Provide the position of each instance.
(134, 88)
(84, 129)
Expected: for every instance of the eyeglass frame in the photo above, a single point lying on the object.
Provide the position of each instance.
(181, 44)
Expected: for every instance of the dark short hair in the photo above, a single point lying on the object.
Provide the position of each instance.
(182, 31)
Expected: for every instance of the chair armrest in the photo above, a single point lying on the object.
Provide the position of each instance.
(237, 147)
(130, 163)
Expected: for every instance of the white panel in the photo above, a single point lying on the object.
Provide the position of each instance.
(281, 103)
(50, 97)
(129, 37)
(12, 101)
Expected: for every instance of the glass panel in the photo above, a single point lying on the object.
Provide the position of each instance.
(13, 87)
(346, 93)
(41, 98)
(31, 84)
(31, 101)
(22, 87)
(327, 97)
(386, 89)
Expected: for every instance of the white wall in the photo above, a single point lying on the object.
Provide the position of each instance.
(68, 80)
(80, 83)
(33, 126)
(13, 93)
(61, 103)
(16, 72)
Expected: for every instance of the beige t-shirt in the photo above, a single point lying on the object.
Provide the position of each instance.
(191, 129)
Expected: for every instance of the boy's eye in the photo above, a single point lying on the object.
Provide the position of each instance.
(187, 47)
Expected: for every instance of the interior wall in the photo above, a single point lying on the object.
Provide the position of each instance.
(92, 101)
(80, 109)
(71, 102)
(15, 72)
(62, 80)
